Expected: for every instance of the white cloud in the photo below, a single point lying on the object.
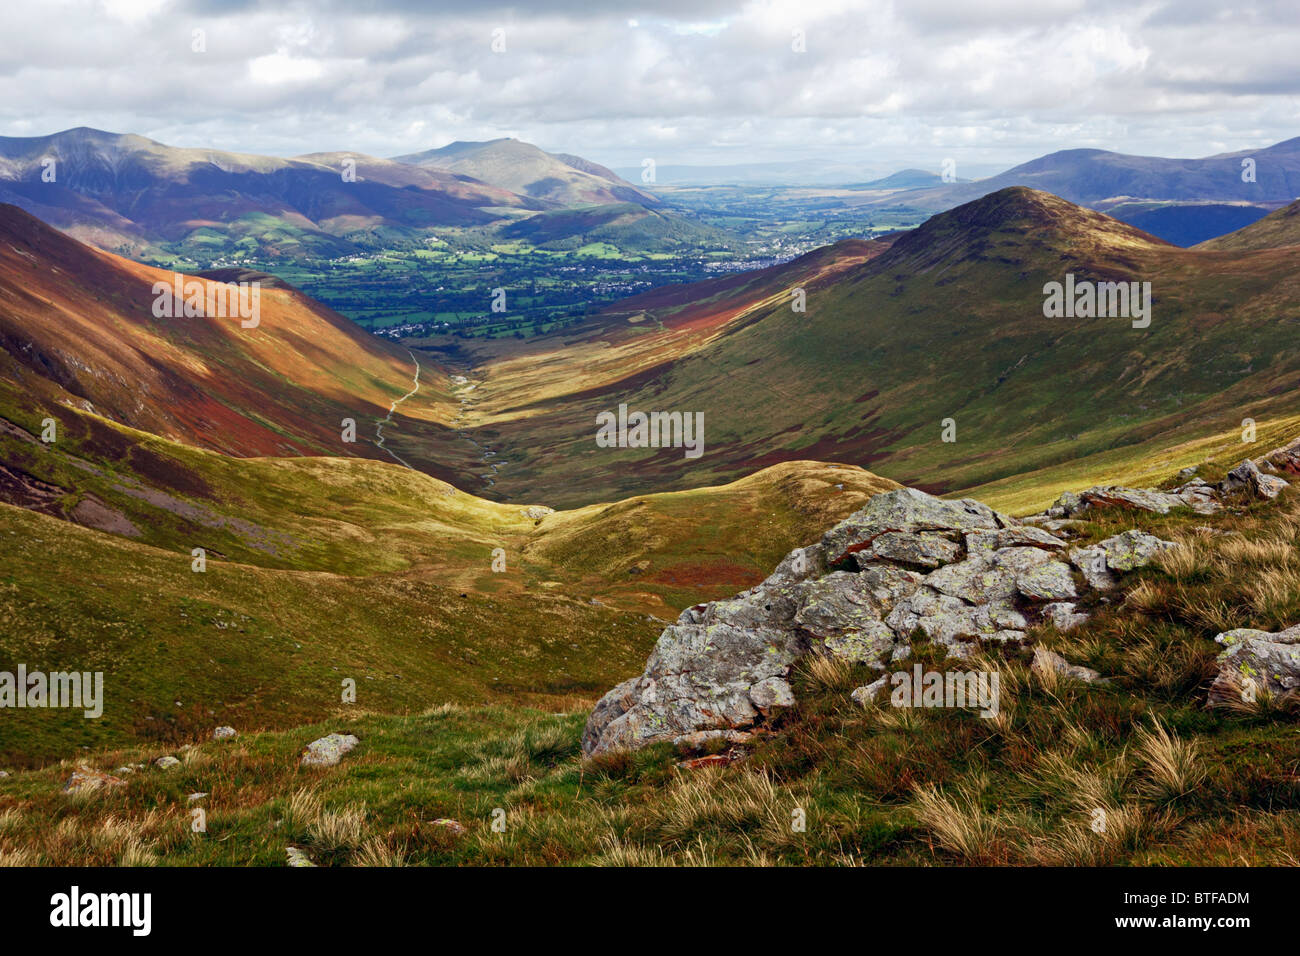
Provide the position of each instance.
(890, 82)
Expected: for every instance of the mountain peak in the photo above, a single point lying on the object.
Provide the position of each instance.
(1013, 216)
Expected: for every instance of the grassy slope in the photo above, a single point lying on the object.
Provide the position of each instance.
(1178, 784)
(1277, 229)
(322, 568)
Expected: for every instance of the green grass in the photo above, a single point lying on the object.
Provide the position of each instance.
(320, 569)
(1174, 783)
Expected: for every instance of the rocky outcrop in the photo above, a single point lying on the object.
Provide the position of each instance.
(1248, 478)
(1255, 664)
(1197, 494)
(957, 572)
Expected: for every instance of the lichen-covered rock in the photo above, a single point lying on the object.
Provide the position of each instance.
(1126, 551)
(770, 694)
(956, 571)
(609, 708)
(1046, 581)
(842, 613)
(328, 750)
(984, 543)
(296, 858)
(955, 623)
(924, 550)
(1091, 562)
(889, 585)
(699, 677)
(1132, 549)
(998, 575)
(907, 510)
(166, 763)
(224, 733)
(1254, 664)
(1198, 496)
(1063, 615)
(1248, 478)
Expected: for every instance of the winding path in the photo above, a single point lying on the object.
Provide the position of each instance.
(379, 429)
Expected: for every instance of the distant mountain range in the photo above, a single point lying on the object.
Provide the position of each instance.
(141, 198)
(1095, 177)
(814, 172)
(1184, 201)
(133, 195)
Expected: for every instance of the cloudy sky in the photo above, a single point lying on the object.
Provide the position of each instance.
(884, 83)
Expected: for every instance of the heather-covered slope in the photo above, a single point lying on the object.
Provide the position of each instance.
(78, 330)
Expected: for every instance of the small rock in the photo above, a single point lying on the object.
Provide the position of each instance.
(1063, 615)
(328, 750)
(224, 733)
(86, 780)
(1255, 663)
(166, 763)
(454, 827)
(1132, 549)
(1122, 552)
(1092, 563)
(195, 797)
(297, 857)
(869, 692)
(1247, 477)
(1045, 661)
(771, 694)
